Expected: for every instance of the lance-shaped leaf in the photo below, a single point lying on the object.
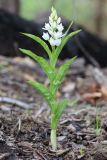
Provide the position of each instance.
(43, 63)
(60, 108)
(61, 105)
(41, 89)
(59, 48)
(40, 41)
(60, 75)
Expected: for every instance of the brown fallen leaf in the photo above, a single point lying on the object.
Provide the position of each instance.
(104, 92)
(91, 97)
(28, 77)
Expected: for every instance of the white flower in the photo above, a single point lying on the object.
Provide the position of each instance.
(52, 42)
(45, 36)
(47, 26)
(60, 27)
(57, 35)
(57, 42)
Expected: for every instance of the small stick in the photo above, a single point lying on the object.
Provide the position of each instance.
(40, 154)
(41, 110)
(15, 102)
(19, 123)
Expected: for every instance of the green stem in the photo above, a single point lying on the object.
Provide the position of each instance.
(53, 139)
(53, 48)
(52, 57)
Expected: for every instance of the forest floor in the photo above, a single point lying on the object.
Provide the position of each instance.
(25, 117)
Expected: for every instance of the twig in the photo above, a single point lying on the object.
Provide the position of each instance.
(80, 45)
(18, 125)
(15, 102)
(85, 52)
(41, 110)
(39, 154)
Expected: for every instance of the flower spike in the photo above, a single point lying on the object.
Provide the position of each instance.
(54, 29)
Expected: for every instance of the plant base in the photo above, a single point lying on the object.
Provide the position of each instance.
(53, 139)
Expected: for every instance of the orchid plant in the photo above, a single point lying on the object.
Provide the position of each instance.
(53, 33)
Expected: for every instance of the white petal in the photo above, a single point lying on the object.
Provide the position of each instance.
(45, 36)
(60, 27)
(47, 26)
(59, 20)
(57, 35)
(57, 42)
(52, 41)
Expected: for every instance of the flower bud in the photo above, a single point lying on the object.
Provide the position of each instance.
(59, 20)
(50, 19)
(53, 25)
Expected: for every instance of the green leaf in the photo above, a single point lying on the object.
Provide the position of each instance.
(40, 41)
(58, 112)
(64, 41)
(41, 89)
(43, 63)
(60, 75)
(60, 108)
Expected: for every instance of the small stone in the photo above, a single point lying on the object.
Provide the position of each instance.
(5, 108)
(87, 137)
(69, 87)
(104, 142)
(71, 128)
(61, 138)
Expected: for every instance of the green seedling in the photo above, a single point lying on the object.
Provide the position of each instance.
(97, 123)
(54, 35)
(81, 150)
